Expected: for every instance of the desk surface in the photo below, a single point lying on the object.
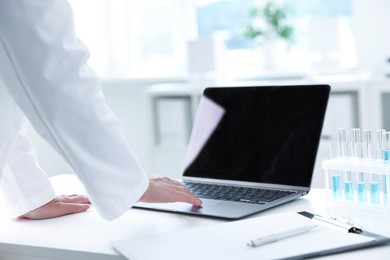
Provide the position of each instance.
(87, 236)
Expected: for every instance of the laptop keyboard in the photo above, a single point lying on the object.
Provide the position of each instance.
(234, 193)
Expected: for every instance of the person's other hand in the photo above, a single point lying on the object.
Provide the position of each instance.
(60, 206)
(164, 189)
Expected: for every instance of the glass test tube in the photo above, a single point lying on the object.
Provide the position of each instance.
(368, 154)
(375, 179)
(374, 189)
(367, 144)
(344, 152)
(386, 148)
(349, 192)
(358, 153)
(386, 161)
(379, 144)
(379, 156)
(335, 175)
(342, 142)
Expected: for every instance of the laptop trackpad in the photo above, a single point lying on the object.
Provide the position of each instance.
(209, 208)
(180, 206)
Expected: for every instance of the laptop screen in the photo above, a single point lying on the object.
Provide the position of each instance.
(258, 134)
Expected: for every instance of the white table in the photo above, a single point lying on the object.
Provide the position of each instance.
(87, 236)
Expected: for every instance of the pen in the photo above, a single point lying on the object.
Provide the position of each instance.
(279, 236)
(336, 224)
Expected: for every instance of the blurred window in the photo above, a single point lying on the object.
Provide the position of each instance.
(149, 38)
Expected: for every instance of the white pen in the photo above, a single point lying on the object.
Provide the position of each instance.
(279, 236)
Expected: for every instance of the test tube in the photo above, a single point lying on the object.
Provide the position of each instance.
(342, 142)
(335, 175)
(374, 189)
(368, 154)
(386, 148)
(379, 144)
(356, 142)
(367, 144)
(349, 192)
(357, 153)
(344, 153)
(386, 161)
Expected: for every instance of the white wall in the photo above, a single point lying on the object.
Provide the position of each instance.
(371, 26)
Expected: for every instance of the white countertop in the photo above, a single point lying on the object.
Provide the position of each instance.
(87, 235)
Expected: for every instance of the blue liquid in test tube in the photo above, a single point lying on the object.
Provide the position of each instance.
(348, 189)
(357, 153)
(386, 161)
(361, 191)
(386, 157)
(375, 192)
(342, 153)
(336, 186)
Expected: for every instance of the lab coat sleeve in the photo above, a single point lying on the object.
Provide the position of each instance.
(23, 183)
(43, 65)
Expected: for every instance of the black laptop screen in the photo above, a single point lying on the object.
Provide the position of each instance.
(258, 134)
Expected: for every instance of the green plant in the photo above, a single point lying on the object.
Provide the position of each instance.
(268, 23)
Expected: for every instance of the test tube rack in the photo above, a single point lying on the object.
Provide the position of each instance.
(356, 168)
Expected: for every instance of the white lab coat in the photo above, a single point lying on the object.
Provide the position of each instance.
(45, 78)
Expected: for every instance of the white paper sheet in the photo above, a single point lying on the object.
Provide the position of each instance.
(228, 241)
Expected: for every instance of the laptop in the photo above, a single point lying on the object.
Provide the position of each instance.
(251, 148)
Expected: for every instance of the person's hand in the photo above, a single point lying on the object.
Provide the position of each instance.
(60, 206)
(163, 189)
